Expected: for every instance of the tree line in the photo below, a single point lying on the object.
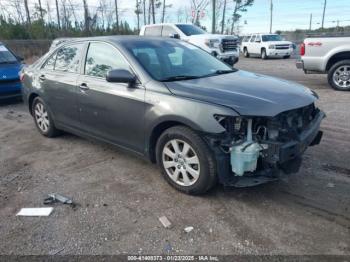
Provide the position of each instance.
(38, 19)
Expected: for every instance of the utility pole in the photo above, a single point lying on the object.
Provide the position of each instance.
(310, 27)
(213, 17)
(324, 12)
(271, 9)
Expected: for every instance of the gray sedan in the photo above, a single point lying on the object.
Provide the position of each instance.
(177, 105)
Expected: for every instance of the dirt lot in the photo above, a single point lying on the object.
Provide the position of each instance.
(121, 196)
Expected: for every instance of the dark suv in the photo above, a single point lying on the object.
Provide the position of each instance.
(172, 102)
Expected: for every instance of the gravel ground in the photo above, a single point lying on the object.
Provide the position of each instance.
(121, 196)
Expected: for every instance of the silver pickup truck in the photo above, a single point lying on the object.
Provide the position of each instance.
(327, 55)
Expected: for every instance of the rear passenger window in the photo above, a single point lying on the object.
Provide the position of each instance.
(167, 31)
(50, 63)
(68, 58)
(103, 57)
(153, 31)
(252, 39)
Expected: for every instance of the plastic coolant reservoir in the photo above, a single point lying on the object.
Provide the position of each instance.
(246, 160)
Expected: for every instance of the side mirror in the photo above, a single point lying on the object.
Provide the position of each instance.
(176, 36)
(121, 76)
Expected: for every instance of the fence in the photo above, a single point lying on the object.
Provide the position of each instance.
(28, 49)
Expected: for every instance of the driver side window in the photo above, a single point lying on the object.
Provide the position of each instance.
(101, 58)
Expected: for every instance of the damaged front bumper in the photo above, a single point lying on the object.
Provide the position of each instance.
(274, 157)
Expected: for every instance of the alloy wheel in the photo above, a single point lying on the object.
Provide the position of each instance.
(41, 117)
(181, 162)
(341, 77)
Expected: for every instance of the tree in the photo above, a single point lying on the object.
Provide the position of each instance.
(223, 17)
(27, 11)
(138, 12)
(58, 15)
(163, 12)
(240, 6)
(86, 18)
(197, 6)
(116, 14)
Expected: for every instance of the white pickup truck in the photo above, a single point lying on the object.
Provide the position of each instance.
(327, 55)
(224, 47)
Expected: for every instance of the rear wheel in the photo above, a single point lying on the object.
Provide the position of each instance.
(286, 57)
(43, 119)
(245, 52)
(186, 160)
(263, 54)
(339, 76)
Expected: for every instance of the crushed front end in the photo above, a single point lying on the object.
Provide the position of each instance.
(254, 150)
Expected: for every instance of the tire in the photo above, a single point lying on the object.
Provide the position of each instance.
(335, 70)
(286, 57)
(263, 54)
(43, 119)
(245, 52)
(176, 168)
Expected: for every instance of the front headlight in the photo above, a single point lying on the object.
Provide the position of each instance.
(271, 46)
(212, 43)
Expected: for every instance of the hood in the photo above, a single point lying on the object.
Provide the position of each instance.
(212, 36)
(10, 71)
(247, 93)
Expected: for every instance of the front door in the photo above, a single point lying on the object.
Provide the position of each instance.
(111, 111)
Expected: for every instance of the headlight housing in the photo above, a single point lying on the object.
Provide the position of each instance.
(271, 46)
(212, 43)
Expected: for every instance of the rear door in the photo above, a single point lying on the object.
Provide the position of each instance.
(111, 111)
(58, 80)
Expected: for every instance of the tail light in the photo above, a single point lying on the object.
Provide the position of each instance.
(302, 49)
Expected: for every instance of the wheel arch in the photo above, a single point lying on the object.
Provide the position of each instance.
(336, 58)
(158, 129)
(31, 98)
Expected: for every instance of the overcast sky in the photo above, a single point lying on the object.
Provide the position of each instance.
(287, 15)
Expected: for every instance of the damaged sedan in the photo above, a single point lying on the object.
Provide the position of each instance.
(200, 120)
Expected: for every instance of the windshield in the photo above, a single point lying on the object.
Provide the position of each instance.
(6, 56)
(191, 30)
(269, 38)
(169, 60)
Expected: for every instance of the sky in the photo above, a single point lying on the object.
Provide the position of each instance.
(287, 14)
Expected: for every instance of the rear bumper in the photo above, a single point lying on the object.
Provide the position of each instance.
(9, 95)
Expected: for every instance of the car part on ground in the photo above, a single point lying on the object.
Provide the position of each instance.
(327, 55)
(172, 102)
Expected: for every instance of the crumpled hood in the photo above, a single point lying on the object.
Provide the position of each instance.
(9, 71)
(247, 93)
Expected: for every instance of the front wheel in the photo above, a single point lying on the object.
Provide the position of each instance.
(263, 54)
(245, 52)
(339, 76)
(186, 160)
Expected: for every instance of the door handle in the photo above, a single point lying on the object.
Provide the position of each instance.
(84, 86)
(42, 78)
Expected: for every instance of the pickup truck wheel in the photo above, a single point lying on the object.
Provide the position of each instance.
(43, 119)
(339, 76)
(245, 52)
(263, 54)
(186, 160)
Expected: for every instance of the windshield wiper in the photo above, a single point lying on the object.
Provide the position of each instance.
(179, 77)
(221, 72)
